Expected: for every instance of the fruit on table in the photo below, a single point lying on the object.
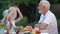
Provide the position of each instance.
(37, 31)
(33, 32)
(6, 33)
(17, 32)
(8, 29)
(1, 25)
(23, 29)
(29, 28)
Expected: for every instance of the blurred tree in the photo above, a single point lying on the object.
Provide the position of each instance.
(31, 5)
(54, 1)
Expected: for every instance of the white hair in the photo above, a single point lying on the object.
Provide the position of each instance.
(45, 3)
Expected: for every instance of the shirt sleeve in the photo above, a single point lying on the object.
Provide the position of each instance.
(48, 19)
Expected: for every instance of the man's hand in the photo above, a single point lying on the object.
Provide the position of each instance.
(37, 25)
(41, 26)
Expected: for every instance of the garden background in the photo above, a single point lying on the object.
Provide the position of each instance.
(29, 10)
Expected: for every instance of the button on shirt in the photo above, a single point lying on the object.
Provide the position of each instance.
(50, 19)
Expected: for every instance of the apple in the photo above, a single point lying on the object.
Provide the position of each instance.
(37, 31)
(27, 27)
(33, 32)
(30, 28)
(23, 29)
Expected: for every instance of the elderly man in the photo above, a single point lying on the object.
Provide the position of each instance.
(47, 20)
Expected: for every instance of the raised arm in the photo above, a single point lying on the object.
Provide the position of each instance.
(20, 16)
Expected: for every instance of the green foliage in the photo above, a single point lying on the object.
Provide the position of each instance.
(33, 23)
(26, 2)
(53, 1)
(3, 6)
(1, 16)
(23, 22)
(58, 24)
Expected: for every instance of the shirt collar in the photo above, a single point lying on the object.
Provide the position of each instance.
(46, 13)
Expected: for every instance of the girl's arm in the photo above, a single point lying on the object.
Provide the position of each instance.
(20, 16)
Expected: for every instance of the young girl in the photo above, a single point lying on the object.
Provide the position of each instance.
(9, 19)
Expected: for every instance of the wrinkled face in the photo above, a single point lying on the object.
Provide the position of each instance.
(42, 8)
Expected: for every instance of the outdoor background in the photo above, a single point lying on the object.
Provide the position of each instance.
(29, 10)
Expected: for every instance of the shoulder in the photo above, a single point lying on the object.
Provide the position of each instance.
(11, 7)
(50, 14)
